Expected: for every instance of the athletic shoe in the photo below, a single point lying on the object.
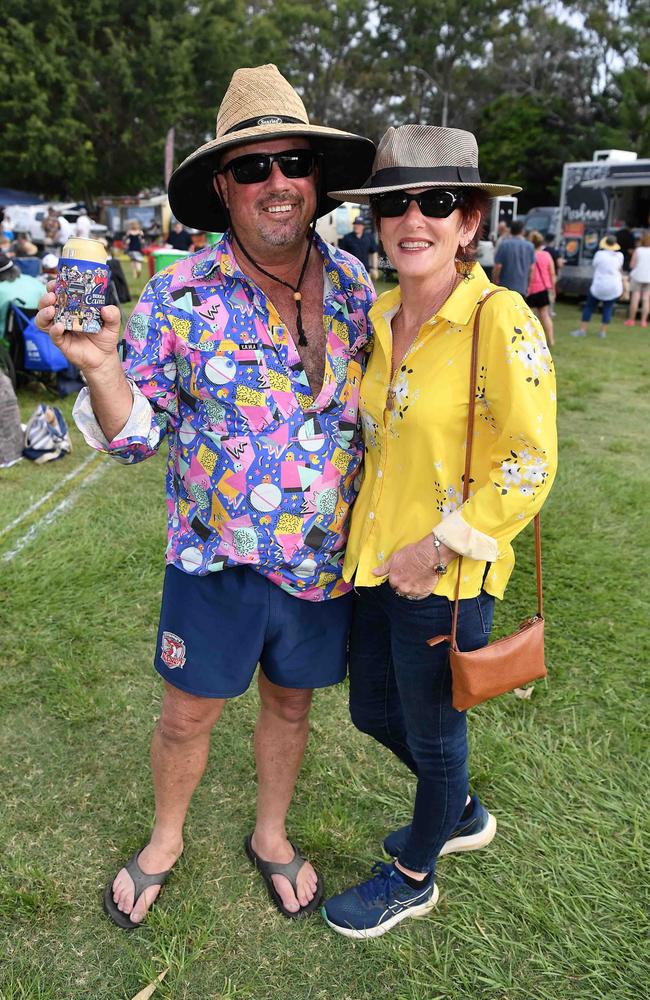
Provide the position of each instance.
(473, 831)
(602, 334)
(372, 908)
(629, 322)
(578, 333)
(643, 324)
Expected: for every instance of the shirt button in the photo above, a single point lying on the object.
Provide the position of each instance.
(371, 515)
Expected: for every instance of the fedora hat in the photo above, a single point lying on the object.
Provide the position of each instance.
(423, 156)
(260, 104)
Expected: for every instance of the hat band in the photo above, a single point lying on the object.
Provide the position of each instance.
(393, 176)
(5, 267)
(265, 120)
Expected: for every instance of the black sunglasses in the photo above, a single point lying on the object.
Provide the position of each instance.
(435, 204)
(253, 168)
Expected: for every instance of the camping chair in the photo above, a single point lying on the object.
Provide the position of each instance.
(29, 265)
(32, 352)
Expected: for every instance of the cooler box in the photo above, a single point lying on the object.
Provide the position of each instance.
(163, 258)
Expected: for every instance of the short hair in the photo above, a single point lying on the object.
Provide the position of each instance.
(473, 201)
(516, 227)
(550, 237)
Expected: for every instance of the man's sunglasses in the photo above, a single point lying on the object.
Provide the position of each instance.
(435, 204)
(253, 168)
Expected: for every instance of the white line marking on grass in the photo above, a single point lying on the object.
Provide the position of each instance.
(39, 503)
(52, 515)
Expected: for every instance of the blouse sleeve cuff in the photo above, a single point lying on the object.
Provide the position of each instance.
(136, 428)
(457, 534)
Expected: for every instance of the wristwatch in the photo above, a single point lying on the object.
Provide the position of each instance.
(439, 567)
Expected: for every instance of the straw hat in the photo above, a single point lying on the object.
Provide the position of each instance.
(604, 245)
(260, 104)
(423, 156)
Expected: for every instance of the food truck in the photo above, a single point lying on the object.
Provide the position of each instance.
(598, 197)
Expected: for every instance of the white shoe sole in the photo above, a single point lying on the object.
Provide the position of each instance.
(474, 842)
(375, 932)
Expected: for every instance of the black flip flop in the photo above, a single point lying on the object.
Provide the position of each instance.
(141, 881)
(290, 871)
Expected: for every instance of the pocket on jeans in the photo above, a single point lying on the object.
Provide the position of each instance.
(485, 609)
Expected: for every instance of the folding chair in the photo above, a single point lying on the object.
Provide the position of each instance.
(32, 352)
(29, 265)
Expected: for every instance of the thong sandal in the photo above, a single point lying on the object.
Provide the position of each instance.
(141, 881)
(290, 871)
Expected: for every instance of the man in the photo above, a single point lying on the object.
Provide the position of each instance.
(82, 226)
(16, 287)
(51, 229)
(363, 246)
(248, 354)
(178, 237)
(627, 242)
(502, 233)
(558, 261)
(514, 261)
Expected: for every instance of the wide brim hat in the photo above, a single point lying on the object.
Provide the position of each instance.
(258, 105)
(604, 245)
(423, 156)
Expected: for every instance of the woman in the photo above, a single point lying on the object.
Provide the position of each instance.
(541, 285)
(640, 282)
(606, 286)
(408, 526)
(134, 239)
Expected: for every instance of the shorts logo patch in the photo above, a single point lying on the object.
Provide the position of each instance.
(172, 650)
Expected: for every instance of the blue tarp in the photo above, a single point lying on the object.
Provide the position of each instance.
(9, 196)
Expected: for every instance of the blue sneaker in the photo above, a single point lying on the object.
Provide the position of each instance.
(372, 908)
(470, 834)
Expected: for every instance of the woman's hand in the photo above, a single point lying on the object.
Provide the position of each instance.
(410, 570)
(88, 351)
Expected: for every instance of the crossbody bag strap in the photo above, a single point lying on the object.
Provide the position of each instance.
(466, 474)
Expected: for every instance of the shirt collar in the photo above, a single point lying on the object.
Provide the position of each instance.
(222, 257)
(457, 309)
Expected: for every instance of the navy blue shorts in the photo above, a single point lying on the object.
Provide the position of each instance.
(215, 629)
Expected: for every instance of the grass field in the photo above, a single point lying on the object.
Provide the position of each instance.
(555, 908)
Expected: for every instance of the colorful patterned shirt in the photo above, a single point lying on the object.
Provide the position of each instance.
(259, 472)
(415, 448)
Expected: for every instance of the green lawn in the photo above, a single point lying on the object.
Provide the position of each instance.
(555, 908)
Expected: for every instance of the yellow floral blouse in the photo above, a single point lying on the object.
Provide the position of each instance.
(415, 451)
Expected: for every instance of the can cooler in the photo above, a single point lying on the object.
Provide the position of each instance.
(81, 286)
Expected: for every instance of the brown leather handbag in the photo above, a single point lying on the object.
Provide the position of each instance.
(515, 659)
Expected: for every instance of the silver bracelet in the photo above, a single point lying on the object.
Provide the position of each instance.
(439, 567)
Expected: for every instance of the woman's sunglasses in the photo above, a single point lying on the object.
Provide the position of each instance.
(435, 204)
(253, 168)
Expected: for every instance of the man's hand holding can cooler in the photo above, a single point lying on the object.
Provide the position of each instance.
(81, 285)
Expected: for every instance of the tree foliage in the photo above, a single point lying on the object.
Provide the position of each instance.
(94, 87)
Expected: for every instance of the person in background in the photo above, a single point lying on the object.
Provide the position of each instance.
(409, 523)
(606, 285)
(82, 226)
(66, 230)
(7, 224)
(5, 246)
(23, 246)
(16, 287)
(51, 229)
(134, 245)
(199, 241)
(514, 260)
(118, 279)
(363, 246)
(49, 263)
(558, 261)
(503, 231)
(627, 242)
(541, 284)
(640, 282)
(179, 238)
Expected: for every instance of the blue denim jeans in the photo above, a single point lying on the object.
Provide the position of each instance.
(400, 693)
(591, 304)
